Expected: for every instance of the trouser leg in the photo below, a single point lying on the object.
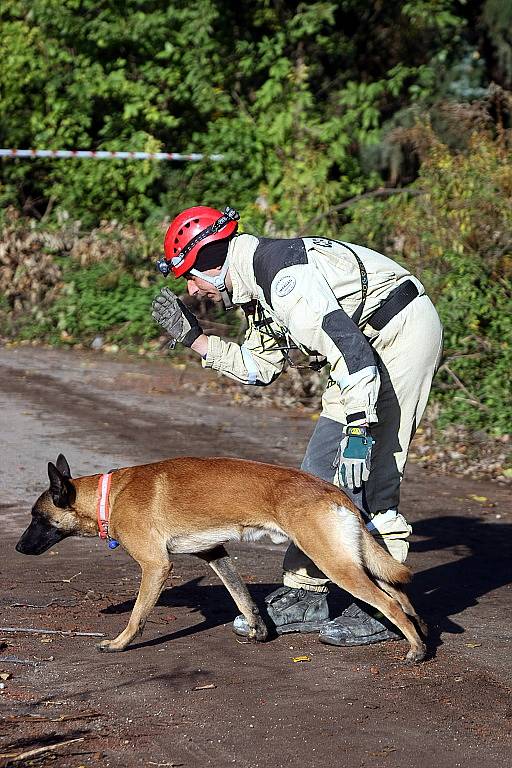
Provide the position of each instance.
(408, 349)
(299, 570)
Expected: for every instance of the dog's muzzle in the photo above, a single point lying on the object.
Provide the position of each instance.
(39, 536)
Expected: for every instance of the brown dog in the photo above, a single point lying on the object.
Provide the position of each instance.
(195, 505)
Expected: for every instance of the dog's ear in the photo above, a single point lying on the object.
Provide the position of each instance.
(61, 490)
(63, 466)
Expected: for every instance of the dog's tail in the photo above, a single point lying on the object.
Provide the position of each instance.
(379, 562)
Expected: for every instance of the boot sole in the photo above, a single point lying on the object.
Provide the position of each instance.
(304, 627)
(364, 640)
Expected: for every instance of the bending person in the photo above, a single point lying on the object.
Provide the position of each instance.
(364, 315)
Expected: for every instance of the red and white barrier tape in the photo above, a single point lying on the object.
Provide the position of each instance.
(105, 155)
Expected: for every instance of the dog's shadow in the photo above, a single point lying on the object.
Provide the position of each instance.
(213, 602)
(446, 589)
(483, 563)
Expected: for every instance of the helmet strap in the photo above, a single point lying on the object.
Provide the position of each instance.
(219, 282)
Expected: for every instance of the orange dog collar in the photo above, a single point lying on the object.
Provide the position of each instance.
(103, 508)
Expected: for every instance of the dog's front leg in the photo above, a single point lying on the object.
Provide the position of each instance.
(152, 582)
(220, 562)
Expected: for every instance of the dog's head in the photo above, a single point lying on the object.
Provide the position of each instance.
(53, 517)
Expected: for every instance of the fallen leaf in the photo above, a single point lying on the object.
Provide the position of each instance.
(473, 645)
(5, 675)
(383, 752)
(477, 498)
(301, 658)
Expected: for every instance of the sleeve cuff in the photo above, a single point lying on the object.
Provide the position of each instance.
(361, 416)
(213, 352)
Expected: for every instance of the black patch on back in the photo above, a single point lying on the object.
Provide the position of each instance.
(352, 344)
(271, 256)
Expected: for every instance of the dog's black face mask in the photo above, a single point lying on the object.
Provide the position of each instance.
(39, 536)
(42, 533)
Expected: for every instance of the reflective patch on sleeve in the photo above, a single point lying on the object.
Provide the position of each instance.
(369, 373)
(252, 369)
(350, 341)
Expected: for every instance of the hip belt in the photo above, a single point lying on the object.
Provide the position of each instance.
(397, 300)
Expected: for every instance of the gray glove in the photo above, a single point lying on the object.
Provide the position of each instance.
(354, 456)
(174, 317)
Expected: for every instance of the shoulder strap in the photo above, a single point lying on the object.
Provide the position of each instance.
(356, 317)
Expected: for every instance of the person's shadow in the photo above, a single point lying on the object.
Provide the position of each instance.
(484, 564)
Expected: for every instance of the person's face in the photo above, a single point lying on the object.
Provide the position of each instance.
(201, 289)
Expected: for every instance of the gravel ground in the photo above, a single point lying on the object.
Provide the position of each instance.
(188, 693)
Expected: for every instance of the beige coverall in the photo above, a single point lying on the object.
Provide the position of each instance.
(309, 289)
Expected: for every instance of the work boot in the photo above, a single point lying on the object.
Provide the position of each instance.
(358, 626)
(290, 610)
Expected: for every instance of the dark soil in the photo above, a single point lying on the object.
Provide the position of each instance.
(188, 693)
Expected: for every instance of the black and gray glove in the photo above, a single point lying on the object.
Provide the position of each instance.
(354, 457)
(174, 317)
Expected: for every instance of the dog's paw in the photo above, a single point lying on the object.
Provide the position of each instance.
(259, 633)
(106, 646)
(416, 655)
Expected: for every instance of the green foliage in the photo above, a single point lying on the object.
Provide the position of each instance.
(311, 104)
(456, 236)
(288, 92)
(101, 299)
(497, 15)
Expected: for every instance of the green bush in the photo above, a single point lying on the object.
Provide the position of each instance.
(103, 298)
(455, 234)
(306, 102)
(288, 92)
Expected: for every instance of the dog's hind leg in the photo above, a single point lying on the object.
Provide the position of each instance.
(342, 564)
(407, 607)
(221, 563)
(355, 581)
(154, 575)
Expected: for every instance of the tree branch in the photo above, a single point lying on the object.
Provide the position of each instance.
(473, 399)
(381, 192)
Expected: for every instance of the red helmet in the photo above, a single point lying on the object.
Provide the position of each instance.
(190, 231)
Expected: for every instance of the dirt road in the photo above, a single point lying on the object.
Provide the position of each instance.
(187, 693)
